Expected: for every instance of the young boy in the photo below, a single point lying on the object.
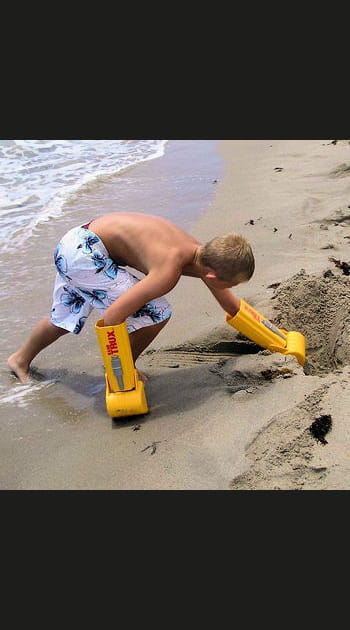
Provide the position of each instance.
(91, 274)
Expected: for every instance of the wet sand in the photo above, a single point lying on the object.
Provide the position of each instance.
(223, 416)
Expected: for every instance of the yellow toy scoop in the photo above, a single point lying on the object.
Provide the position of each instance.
(256, 327)
(125, 394)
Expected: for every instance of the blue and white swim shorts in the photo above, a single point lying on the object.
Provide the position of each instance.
(87, 278)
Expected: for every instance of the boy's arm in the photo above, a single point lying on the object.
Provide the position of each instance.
(227, 300)
(155, 284)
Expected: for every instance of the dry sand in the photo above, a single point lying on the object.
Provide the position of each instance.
(249, 420)
(224, 415)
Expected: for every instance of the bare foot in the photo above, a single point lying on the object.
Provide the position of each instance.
(142, 376)
(19, 370)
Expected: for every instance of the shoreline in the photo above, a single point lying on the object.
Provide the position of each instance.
(215, 421)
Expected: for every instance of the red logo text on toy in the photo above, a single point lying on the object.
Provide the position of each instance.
(252, 313)
(112, 346)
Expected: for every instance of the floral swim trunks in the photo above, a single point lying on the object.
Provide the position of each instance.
(87, 278)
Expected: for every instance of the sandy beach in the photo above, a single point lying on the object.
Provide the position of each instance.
(224, 415)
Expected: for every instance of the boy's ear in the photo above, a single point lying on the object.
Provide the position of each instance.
(210, 274)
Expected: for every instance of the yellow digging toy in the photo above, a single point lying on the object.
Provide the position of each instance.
(260, 330)
(125, 394)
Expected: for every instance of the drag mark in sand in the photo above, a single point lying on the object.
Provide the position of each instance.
(188, 355)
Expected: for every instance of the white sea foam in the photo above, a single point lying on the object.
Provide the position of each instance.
(20, 394)
(37, 177)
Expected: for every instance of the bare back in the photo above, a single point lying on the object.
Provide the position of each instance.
(146, 242)
(152, 245)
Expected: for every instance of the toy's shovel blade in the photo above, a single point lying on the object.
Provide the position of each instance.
(296, 345)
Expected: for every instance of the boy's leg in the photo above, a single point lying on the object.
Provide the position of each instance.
(45, 333)
(140, 339)
(42, 335)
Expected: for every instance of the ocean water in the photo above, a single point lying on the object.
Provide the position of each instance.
(49, 186)
(38, 178)
(54, 430)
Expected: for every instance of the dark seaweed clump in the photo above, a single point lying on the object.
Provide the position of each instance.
(320, 427)
(344, 266)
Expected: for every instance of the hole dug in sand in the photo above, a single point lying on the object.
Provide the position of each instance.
(317, 305)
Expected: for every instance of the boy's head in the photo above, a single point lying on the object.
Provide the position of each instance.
(230, 257)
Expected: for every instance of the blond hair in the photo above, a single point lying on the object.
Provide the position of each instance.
(230, 256)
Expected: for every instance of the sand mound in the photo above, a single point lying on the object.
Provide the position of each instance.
(282, 454)
(318, 305)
